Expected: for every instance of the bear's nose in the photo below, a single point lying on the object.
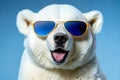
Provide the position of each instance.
(60, 38)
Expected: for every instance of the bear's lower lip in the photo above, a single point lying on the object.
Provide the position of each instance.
(59, 55)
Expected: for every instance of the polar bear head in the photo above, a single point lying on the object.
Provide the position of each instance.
(52, 35)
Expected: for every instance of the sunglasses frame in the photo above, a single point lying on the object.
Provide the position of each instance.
(62, 22)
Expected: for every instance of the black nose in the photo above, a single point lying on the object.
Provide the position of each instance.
(60, 38)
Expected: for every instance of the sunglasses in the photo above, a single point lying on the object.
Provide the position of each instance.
(75, 28)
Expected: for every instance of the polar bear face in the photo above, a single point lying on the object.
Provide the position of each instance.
(59, 48)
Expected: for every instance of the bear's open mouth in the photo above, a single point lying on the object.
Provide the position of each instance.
(59, 55)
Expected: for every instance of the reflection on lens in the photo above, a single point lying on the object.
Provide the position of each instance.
(76, 28)
(42, 28)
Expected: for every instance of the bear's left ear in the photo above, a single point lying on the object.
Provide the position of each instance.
(95, 20)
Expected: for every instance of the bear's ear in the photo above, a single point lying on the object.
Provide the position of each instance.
(95, 20)
(24, 20)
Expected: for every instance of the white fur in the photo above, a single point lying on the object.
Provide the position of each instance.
(97, 16)
(37, 63)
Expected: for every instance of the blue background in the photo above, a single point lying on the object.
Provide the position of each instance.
(11, 42)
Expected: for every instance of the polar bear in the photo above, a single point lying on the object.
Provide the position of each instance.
(59, 44)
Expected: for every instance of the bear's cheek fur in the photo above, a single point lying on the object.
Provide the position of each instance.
(38, 47)
(82, 47)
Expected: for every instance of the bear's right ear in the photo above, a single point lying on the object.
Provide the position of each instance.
(24, 20)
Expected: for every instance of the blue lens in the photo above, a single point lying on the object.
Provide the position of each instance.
(42, 28)
(76, 28)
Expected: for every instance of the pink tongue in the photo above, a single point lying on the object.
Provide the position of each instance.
(58, 56)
